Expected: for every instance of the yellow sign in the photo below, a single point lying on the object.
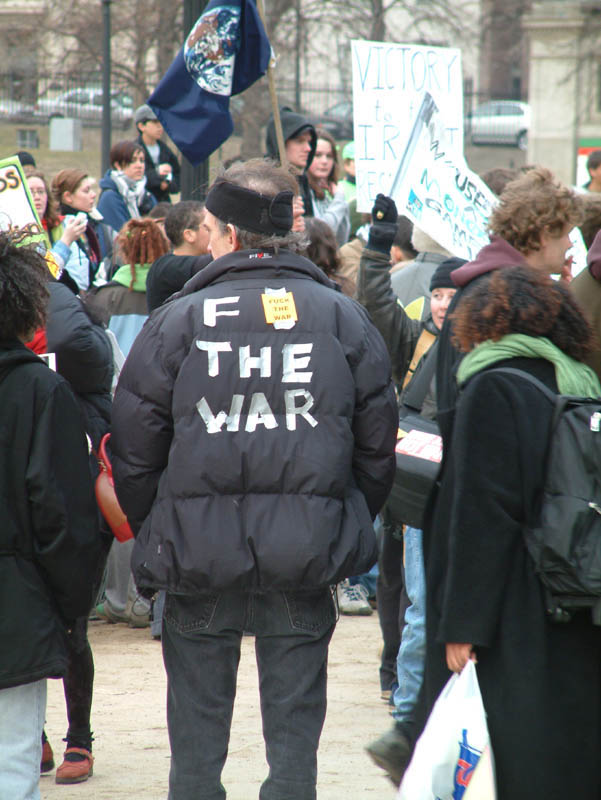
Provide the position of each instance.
(279, 308)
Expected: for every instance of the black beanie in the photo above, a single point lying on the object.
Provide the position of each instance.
(441, 279)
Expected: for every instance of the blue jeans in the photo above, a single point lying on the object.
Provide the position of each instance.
(368, 580)
(410, 660)
(22, 711)
(201, 650)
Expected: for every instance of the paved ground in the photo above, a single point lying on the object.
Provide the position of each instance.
(128, 719)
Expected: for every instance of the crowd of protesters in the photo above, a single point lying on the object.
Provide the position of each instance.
(271, 534)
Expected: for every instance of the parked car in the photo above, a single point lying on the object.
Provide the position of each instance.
(16, 111)
(337, 120)
(500, 122)
(85, 104)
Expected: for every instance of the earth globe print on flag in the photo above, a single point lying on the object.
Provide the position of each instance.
(226, 51)
(210, 50)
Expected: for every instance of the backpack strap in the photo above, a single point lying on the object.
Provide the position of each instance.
(424, 343)
(528, 377)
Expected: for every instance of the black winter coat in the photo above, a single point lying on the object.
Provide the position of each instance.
(249, 456)
(49, 540)
(84, 357)
(540, 681)
(399, 331)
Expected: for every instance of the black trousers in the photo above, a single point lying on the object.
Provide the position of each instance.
(201, 650)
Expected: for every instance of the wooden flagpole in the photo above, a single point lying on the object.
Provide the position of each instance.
(273, 95)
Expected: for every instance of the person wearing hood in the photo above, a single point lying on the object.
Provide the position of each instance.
(586, 288)
(301, 141)
(124, 194)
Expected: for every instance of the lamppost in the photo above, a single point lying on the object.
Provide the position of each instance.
(106, 85)
(194, 180)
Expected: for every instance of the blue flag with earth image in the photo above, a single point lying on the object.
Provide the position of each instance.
(226, 51)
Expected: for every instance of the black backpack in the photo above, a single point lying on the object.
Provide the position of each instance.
(565, 541)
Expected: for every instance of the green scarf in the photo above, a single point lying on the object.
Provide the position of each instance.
(123, 276)
(572, 376)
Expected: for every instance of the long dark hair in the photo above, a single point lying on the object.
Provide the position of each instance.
(333, 176)
(323, 252)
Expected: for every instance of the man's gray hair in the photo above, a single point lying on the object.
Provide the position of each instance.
(268, 178)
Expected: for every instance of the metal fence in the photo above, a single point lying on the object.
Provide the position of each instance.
(38, 98)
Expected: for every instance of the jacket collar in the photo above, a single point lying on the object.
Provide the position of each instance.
(255, 264)
(12, 353)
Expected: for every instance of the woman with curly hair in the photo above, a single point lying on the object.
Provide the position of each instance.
(540, 681)
(121, 303)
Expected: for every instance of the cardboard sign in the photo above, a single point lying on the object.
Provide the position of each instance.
(435, 188)
(17, 211)
(389, 81)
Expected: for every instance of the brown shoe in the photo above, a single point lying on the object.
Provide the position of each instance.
(47, 756)
(71, 771)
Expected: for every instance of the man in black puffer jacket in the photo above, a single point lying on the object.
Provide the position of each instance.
(253, 436)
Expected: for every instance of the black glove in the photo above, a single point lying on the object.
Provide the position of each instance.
(384, 224)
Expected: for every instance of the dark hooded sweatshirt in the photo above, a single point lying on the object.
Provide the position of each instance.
(586, 288)
(292, 125)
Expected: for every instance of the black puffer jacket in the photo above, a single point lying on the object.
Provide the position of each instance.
(250, 456)
(398, 330)
(84, 357)
(49, 541)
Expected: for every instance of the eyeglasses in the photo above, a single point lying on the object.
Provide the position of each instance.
(38, 192)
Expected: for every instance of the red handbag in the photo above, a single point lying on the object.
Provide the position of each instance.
(107, 498)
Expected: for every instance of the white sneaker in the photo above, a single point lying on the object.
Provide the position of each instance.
(353, 599)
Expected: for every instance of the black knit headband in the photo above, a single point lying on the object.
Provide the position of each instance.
(250, 210)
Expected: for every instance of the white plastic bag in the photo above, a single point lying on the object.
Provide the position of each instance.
(454, 748)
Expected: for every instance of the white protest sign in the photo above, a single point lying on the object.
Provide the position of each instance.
(389, 81)
(577, 252)
(435, 188)
(17, 211)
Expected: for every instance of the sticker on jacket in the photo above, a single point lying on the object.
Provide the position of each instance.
(279, 308)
